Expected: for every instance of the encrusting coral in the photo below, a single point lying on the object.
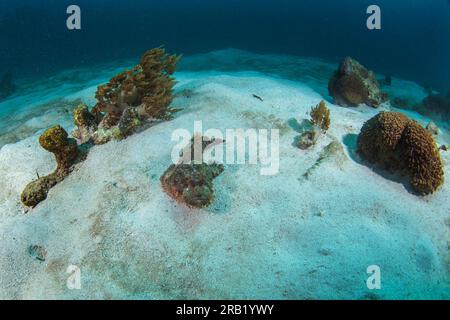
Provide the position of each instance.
(352, 84)
(131, 99)
(65, 149)
(396, 143)
(191, 183)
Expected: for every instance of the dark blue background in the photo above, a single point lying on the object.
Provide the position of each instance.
(414, 42)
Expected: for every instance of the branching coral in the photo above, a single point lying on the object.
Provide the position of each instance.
(65, 149)
(148, 87)
(352, 84)
(132, 98)
(320, 116)
(397, 143)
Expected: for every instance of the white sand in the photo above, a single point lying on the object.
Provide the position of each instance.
(271, 237)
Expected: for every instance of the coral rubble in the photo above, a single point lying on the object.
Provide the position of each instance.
(130, 99)
(352, 84)
(396, 143)
(65, 149)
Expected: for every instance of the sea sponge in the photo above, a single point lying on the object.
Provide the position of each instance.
(65, 149)
(320, 116)
(352, 84)
(396, 143)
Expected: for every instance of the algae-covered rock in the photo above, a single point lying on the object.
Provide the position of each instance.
(308, 138)
(188, 181)
(191, 184)
(352, 84)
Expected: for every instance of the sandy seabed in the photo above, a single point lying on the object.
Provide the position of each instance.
(309, 232)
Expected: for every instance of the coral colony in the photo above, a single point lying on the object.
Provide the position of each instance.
(138, 98)
(132, 100)
(397, 143)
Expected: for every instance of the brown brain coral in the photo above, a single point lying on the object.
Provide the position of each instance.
(422, 158)
(397, 143)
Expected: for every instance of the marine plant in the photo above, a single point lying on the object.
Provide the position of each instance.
(396, 143)
(352, 84)
(320, 116)
(65, 149)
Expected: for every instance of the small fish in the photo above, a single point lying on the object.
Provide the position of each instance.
(257, 97)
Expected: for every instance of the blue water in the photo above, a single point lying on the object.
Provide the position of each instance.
(414, 42)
